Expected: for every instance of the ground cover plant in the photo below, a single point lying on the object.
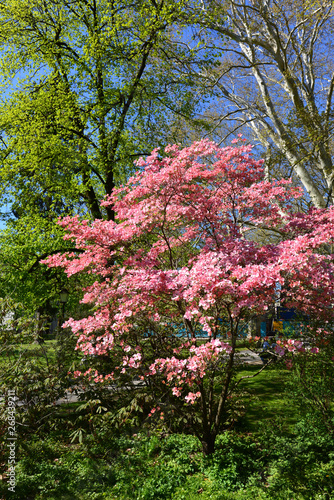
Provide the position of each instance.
(183, 258)
(266, 456)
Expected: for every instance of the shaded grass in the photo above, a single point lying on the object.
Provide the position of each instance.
(266, 398)
(13, 352)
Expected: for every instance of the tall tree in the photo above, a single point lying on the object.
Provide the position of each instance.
(276, 76)
(89, 90)
(89, 85)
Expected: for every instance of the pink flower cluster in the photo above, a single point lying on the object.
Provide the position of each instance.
(93, 375)
(293, 346)
(188, 371)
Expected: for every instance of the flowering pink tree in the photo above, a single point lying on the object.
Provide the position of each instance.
(181, 263)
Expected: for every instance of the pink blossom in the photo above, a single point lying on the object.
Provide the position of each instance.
(191, 397)
(279, 350)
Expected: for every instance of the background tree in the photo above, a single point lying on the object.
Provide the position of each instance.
(276, 78)
(88, 86)
(93, 93)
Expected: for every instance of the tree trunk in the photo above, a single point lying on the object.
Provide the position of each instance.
(208, 444)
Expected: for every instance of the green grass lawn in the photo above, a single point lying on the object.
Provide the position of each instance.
(267, 398)
(14, 352)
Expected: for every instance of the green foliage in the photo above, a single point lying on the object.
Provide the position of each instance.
(37, 373)
(82, 455)
(147, 466)
(236, 462)
(24, 280)
(61, 472)
(157, 466)
(303, 461)
(312, 384)
(97, 89)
